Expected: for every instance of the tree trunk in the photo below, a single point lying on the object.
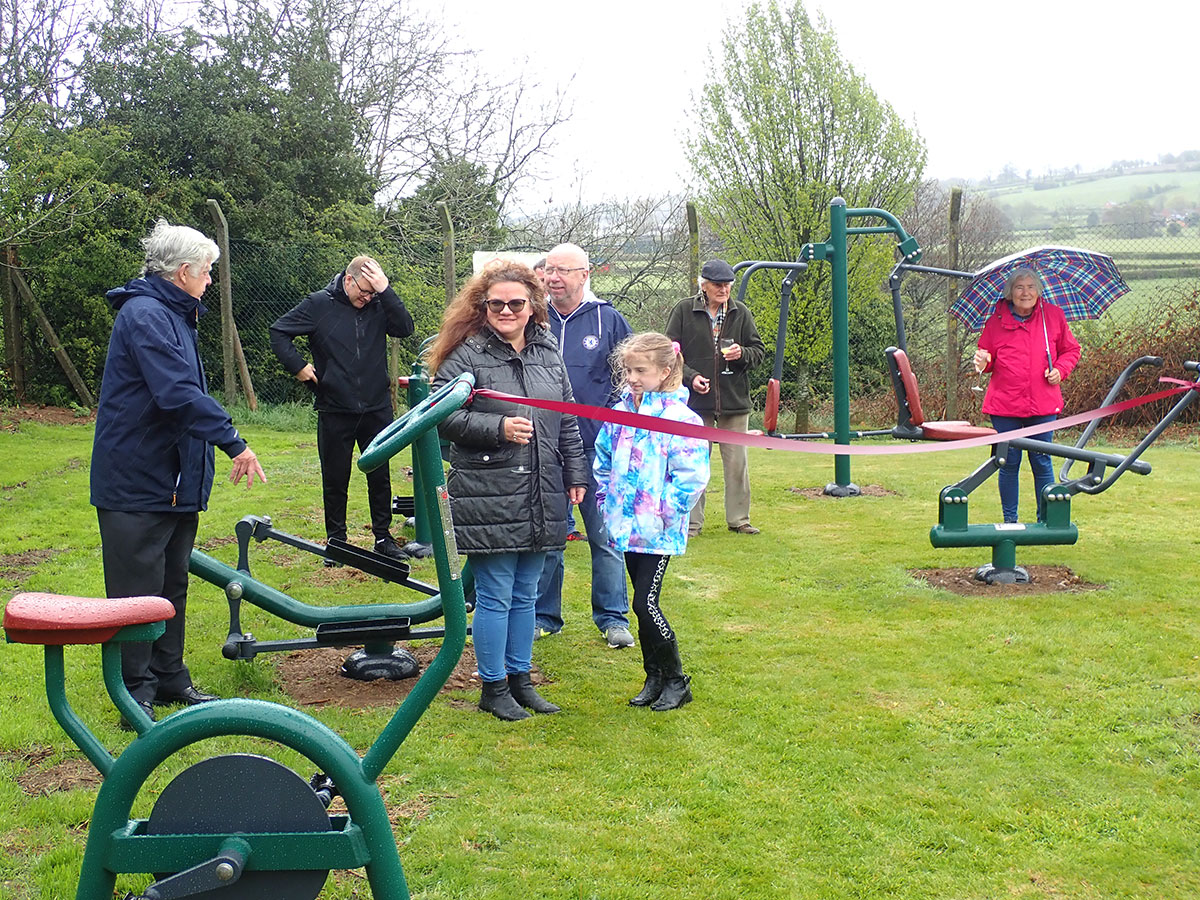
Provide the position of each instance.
(802, 398)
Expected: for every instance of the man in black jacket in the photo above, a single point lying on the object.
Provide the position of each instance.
(720, 346)
(347, 324)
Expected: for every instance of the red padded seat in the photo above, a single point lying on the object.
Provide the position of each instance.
(55, 619)
(952, 430)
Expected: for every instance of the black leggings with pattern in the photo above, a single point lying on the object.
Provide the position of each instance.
(646, 571)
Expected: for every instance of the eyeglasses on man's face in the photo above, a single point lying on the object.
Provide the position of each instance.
(366, 294)
(560, 270)
(497, 306)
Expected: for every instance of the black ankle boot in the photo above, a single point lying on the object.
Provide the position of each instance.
(675, 691)
(498, 700)
(523, 691)
(654, 679)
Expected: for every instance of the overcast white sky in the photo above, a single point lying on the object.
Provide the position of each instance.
(1037, 85)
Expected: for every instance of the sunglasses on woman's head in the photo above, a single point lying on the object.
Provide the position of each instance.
(514, 305)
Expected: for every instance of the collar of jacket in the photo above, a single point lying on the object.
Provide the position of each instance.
(654, 402)
(700, 304)
(589, 299)
(169, 294)
(337, 289)
(1008, 318)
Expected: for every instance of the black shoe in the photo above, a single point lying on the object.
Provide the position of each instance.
(331, 563)
(146, 708)
(676, 689)
(523, 691)
(498, 700)
(189, 696)
(654, 678)
(387, 546)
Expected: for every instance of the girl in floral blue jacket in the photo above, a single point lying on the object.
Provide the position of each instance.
(647, 482)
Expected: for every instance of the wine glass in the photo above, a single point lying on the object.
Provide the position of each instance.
(523, 412)
(726, 346)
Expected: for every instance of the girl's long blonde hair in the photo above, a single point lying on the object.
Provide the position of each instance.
(662, 352)
(467, 313)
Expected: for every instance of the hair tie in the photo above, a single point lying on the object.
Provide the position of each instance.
(675, 347)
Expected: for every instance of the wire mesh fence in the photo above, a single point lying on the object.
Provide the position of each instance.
(1160, 261)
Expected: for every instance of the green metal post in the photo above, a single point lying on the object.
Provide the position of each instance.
(418, 390)
(841, 339)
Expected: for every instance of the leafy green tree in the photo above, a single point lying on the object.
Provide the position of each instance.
(785, 124)
(241, 115)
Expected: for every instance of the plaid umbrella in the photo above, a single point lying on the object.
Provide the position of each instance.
(1082, 283)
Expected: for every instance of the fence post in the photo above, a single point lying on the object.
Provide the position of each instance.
(448, 266)
(52, 339)
(693, 224)
(14, 349)
(952, 349)
(229, 330)
(227, 352)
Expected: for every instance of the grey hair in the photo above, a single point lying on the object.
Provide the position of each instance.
(170, 246)
(1023, 272)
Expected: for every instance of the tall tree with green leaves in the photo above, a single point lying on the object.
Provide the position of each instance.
(783, 125)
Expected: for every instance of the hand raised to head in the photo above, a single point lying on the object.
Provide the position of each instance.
(374, 276)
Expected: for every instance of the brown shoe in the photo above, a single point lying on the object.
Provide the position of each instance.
(744, 529)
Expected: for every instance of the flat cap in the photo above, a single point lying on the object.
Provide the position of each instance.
(716, 270)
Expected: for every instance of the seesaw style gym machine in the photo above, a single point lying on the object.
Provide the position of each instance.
(1056, 527)
(374, 626)
(243, 826)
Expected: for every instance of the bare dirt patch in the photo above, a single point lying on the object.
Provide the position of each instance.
(311, 678)
(1042, 580)
(40, 780)
(11, 417)
(867, 490)
(15, 568)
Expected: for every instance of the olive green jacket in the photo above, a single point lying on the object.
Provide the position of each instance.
(689, 324)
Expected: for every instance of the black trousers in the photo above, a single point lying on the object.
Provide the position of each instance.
(146, 554)
(337, 434)
(646, 571)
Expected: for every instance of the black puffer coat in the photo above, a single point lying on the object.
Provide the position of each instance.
(508, 497)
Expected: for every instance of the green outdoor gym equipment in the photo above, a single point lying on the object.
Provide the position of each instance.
(833, 250)
(375, 626)
(241, 826)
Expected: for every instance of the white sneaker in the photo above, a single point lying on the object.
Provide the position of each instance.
(618, 636)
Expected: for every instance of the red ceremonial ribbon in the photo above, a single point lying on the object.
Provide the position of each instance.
(722, 436)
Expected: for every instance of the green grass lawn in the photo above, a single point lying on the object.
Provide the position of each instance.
(855, 733)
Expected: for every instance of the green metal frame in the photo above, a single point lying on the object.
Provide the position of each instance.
(363, 837)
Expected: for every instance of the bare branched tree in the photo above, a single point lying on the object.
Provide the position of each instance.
(985, 234)
(39, 44)
(421, 98)
(638, 249)
(37, 41)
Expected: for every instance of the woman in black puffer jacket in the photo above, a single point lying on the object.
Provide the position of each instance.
(510, 467)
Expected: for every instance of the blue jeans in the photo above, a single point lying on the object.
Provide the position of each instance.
(505, 591)
(610, 597)
(1009, 477)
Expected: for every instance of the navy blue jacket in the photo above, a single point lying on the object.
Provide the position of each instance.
(156, 424)
(349, 346)
(586, 339)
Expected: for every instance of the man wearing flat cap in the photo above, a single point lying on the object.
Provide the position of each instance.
(720, 346)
